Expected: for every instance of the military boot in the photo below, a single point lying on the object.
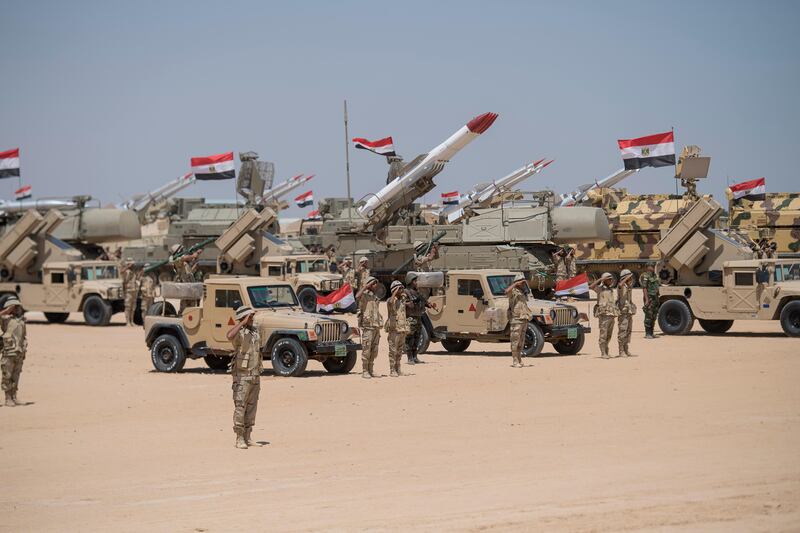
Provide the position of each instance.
(648, 332)
(247, 438)
(10, 400)
(240, 442)
(372, 369)
(604, 353)
(393, 373)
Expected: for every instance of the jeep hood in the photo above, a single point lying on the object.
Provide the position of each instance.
(289, 318)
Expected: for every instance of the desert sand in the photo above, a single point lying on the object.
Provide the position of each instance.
(694, 433)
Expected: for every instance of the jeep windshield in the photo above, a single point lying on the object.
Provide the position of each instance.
(319, 265)
(267, 296)
(787, 272)
(499, 284)
(89, 273)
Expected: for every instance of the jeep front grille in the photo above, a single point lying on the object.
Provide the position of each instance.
(330, 332)
(335, 284)
(563, 316)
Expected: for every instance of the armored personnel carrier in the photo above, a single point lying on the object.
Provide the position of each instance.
(776, 218)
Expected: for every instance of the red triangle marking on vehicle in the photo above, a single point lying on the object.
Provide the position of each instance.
(472, 307)
(231, 322)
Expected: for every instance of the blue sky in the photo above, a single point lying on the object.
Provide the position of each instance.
(113, 98)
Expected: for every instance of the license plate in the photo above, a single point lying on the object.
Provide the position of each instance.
(572, 333)
(340, 350)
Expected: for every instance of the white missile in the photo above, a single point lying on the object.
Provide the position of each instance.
(17, 206)
(404, 189)
(482, 194)
(578, 195)
(274, 195)
(160, 194)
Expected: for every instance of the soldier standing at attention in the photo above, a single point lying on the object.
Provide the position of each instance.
(130, 288)
(246, 372)
(650, 285)
(416, 305)
(147, 289)
(605, 310)
(15, 344)
(627, 310)
(370, 322)
(396, 326)
(519, 314)
(570, 263)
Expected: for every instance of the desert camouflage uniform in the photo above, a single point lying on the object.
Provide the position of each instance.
(349, 276)
(361, 275)
(397, 328)
(519, 316)
(147, 290)
(246, 372)
(185, 273)
(605, 310)
(15, 345)
(561, 268)
(650, 283)
(571, 265)
(627, 310)
(130, 286)
(415, 309)
(370, 322)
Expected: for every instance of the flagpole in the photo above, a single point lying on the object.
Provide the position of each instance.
(347, 164)
(675, 161)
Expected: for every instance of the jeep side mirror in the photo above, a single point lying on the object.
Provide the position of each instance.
(477, 294)
(762, 276)
(71, 276)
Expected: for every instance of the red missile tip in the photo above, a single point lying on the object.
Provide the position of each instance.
(481, 123)
(309, 177)
(548, 163)
(539, 162)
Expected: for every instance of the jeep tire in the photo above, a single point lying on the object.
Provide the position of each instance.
(167, 353)
(96, 311)
(56, 318)
(456, 345)
(675, 317)
(715, 326)
(790, 318)
(534, 341)
(289, 357)
(570, 346)
(341, 365)
(217, 362)
(307, 296)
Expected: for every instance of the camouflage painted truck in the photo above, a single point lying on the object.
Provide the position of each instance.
(714, 277)
(776, 218)
(289, 336)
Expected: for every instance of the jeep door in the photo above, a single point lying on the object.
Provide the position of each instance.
(742, 291)
(467, 302)
(219, 313)
(56, 287)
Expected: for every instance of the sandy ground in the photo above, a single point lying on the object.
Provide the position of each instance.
(695, 433)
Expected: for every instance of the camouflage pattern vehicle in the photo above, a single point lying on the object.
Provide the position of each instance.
(713, 276)
(775, 218)
(472, 305)
(290, 336)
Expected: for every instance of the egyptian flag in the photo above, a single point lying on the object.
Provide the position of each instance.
(751, 190)
(577, 287)
(305, 199)
(313, 215)
(652, 151)
(9, 163)
(340, 299)
(23, 192)
(380, 147)
(450, 198)
(214, 167)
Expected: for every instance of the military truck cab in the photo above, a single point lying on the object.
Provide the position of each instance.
(309, 275)
(472, 305)
(289, 336)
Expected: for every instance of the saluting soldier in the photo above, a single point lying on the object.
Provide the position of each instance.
(650, 289)
(130, 287)
(416, 305)
(370, 322)
(246, 372)
(422, 263)
(519, 314)
(147, 290)
(627, 310)
(606, 310)
(15, 345)
(396, 326)
(570, 263)
(362, 273)
(184, 267)
(558, 265)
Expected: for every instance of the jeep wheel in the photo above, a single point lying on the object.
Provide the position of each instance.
(138, 315)
(675, 318)
(341, 365)
(96, 311)
(167, 353)
(534, 341)
(289, 357)
(56, 318)
(790, 319)
(456, 345)
(381, 291)
(570, 346)
(424, 340)
(217, 362)
(715, 326)
(157, 308)
(307, 296)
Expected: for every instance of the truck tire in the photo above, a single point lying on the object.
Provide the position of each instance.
(167, 353)
(456, 345)
(341, 365)
(715, 326)
(307, 296)
(56, 318)
(156, 309)
(790, 319)
(217, 362)
(96, 311)
(381, 291)
(424, 340)
(534, 341)
(570, 346)
(289, 357)
(138, 314)
(675, 317)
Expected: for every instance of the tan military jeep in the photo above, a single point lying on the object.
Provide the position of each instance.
(472, 305)
(289, 335)
(751, 289)
(309, 275)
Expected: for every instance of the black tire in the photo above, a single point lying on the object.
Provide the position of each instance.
(167, 353)
(341, 365)
(138, 315)
(790, 319)
(534, 341)
(570, 346)
(675, 317)
(381, 291)
(307, 296)
(156, 308)
(715, 326)
(56, 318)
(456, 345)
(217, 362)
(424, 341)
(289, 357)
(96, 311)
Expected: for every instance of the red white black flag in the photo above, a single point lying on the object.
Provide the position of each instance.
(214, 167)
(380, 147)
(23, 193)
(752, 190)
(450, 198)
(338, 300)
(576, 287)
(313, 215)
(652, 151)
(9, 163)
(305, 199)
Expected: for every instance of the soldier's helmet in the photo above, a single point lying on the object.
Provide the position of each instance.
(362, 260)
(395, 285)
(411, 276)
(11, 302)
(176, 249)
(625, 274)
(244, 311)
(370, 280)
(348, 260)
(519, 277)
(606, 276)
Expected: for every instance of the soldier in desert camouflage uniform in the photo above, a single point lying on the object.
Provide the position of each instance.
(606, 310)
(627, 310)
(362, 272)
(519, 314)
(650, 284)
(559, 265)
(396, 326)
(130, 287)
(147, 291)
(370, 322)
(15, 346)
(246, 373)
(570, 263)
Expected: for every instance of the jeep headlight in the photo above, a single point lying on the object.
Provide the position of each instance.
(552, 314)
(318, 329)
(344, 327)
(573, 312)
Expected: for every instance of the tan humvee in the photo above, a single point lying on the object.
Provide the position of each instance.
(752, 289)
(472, 305)
(289, 335)
(309, 275)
